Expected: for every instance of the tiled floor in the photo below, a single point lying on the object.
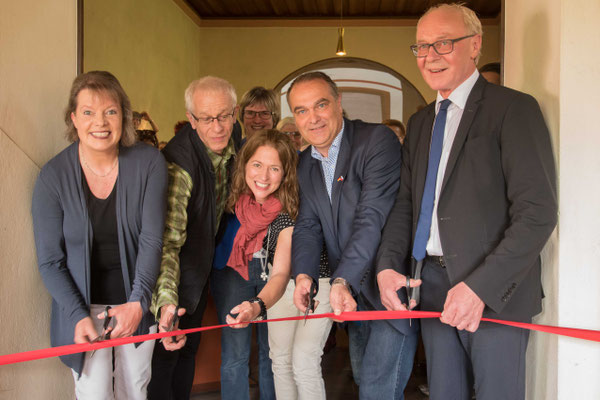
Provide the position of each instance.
(338, 380)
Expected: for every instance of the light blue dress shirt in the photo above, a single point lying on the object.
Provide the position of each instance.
(328, 163)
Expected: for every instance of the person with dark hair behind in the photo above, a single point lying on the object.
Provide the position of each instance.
(491, 72)
(397, 127)
(146, 133)
(179, 125)
(98, 216)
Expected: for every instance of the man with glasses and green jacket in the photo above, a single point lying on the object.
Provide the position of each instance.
(199, 160)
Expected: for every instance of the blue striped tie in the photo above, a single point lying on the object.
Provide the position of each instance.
(435, 152)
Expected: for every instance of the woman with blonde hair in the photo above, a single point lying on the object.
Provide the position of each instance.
(288, 126)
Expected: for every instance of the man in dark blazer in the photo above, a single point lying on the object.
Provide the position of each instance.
(348, 178)
(489, 206)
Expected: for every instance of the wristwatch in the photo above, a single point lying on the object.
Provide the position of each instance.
(341, 281)
(263, 308)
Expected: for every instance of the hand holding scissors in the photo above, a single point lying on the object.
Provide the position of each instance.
(172, 325)
(312, 303)
(169, 321)
(105, 335)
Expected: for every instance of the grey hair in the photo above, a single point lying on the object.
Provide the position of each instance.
(210, 84)
(470, 19)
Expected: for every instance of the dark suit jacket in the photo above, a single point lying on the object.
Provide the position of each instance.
(497, 205)
(364, 187)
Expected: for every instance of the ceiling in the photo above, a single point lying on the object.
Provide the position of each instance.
(244, 10)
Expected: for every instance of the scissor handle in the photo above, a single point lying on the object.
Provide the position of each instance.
(174, 322)
(105, 334)
(311, 296)
(175, 318)
(416, 291)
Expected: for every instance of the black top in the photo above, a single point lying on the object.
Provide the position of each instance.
(106, 281)
(282, 221)
(63, 236)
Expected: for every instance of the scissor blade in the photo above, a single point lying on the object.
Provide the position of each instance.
(98, 339)
(311, 300)
(104, 335)
(408, 297)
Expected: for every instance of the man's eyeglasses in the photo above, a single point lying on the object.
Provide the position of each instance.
(209, 120)
(293, 134)
(262, 114)
(444, 46)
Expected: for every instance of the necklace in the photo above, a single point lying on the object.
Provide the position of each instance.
(265, 260)
(94, 172)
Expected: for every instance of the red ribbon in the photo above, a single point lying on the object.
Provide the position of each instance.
(585, 334)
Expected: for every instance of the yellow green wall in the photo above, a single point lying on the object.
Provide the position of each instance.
(151, 46)
(264, 56)
(156, 50)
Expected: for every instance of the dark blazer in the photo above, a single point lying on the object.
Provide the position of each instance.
(63, 235)
(364, 187)
(497, 205)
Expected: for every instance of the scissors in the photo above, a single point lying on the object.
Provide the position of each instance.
(172, 326)
(311, 300)
(105, 335)
(414, 293)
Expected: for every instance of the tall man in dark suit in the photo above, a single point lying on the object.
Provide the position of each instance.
(348, 180)
(476, 205)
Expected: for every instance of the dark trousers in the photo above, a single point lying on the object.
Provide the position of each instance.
(173, 371)
(491, 360)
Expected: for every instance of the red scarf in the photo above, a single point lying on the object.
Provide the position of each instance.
(254, 219)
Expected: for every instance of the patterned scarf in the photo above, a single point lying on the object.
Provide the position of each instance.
(254, 219)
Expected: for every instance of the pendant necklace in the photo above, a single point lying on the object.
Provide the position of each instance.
(265, 260)
(94, 172)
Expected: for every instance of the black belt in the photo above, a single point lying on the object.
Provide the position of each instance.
(439, 260)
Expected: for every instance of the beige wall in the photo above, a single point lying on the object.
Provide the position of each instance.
(578, 281)
(37, 65)
(151, 46)
(552, 52)
(156, 50)
(531, 64)
(264, 56)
